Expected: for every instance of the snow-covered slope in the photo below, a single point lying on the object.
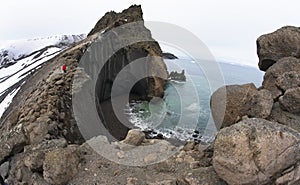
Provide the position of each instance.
(19, 59)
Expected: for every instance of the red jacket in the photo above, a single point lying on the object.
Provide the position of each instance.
(64, 67)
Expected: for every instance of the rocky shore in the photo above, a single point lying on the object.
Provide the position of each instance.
(258, 143)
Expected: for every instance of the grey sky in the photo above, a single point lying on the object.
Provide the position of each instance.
(229, 27)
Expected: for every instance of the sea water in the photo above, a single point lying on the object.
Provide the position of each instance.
(184, 112)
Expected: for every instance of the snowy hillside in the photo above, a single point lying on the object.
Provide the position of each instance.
(19, 59)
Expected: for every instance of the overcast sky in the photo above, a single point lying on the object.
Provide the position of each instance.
(228, 27)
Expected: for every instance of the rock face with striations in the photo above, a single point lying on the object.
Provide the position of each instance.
(125, 40)
(279, 44)
(146, 88)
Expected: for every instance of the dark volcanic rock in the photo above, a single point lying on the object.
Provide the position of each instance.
(255, 151)
(167, 55)
(136, 44)
(174, 75)
(279, 44)
(112, 19)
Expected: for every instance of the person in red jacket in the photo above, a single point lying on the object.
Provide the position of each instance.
(64, 68)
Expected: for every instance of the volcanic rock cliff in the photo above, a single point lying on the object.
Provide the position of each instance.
(40, 118)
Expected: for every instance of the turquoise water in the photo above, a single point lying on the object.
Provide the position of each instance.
(184, 112)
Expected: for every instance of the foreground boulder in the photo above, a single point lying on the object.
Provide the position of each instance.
(255, 151)
(230, 103)
(60, 165)
(279, 44)
(12, 142)
(134, 137)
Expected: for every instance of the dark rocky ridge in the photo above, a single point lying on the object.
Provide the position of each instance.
(112, 19)
(168, 55)
(144, 89)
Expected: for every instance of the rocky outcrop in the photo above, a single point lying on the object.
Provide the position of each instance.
(240, 101)
(174, 75)
(279, 44)
(147, 88)
(127, 27)
(255, 151)
(262, 151)
(167, 55)
(112, 19)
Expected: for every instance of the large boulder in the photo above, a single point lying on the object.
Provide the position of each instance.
(12, 142)
(255, 151)
(60, 165)
(230, 103)
(281, 76)
(279, 44)
(232, 98)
